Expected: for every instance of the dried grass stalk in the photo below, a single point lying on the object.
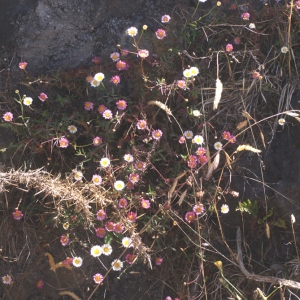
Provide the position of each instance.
(71, 294)
(218, 94)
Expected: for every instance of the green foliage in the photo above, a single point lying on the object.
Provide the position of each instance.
(249, 207)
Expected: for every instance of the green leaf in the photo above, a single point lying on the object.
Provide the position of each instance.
(248, 207)
(279, 223)
(108, 238)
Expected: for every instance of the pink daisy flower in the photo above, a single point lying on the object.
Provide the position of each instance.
(181, 84)
(63, 143)
(110, 226)
(40, 284)
(200, 151)
(122, 203)
(245, 16)
(97, 180)
(181, 139)
(145, 204)
(237, 40)
(88, 105)
(143, 53)
(64, 240)
(232, 139)
(96, 60)
(122, 65)
(115, 79)
(158, 261)
(190, 216)
(226, 135)
(229, 47)
(124, 52)
(165, 18)
(130, 258)
(97, 141)
(98, 278)
(101, 215)
(68, 261)
(89, 79)
(131, 216)
(22, 65)
(100, 232)
(107, 114)
(157, 134)
(115, 56)
(102, 108)
(139, 165)
(160, 34)
(17, 214)
(141, 124)
(199, 209)
(119, 228)
(134, 178)
(128, 158)
(8, 117)
(121, 104)
(43, 97)
(130, 185)
(202, 159)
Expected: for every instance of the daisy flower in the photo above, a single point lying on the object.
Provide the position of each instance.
(119, 228)
(110, 226)
(187, 73)
(160, 34)
(127, 242)
(78, 175)
(119, 185)
(107, 114)
(132, 31)
(188, 134)
(99, 77)
(194, 71)
(130, 258)
(198, 139)
(97, 179)
(224, 209)
(101, 109)
(131, 216)
(89, 79)
(145, 204)
(101, 215)
(115, 79)
(255, 75)
(106, 249)
(232, 139)
(141, 124)
(198, 209)
(94, 82)
(104, 162)
(252, 26)
(64, 240)
(181, 140)
(134, 178)
(8, 117)
(124, 52)
(77, 262)
(68, 261)
(218, 146)
(165, 18)
(122, 65)
(190, 216)
(202, 159)
(22, 65)
(284, 50)
(245, 16)
(88, 105)
(226, 135)
(229, 47)
(122, 203)
(43, 97)
(63, 143)
(128, 158)
(27, 101)
(6, 279)
(158, 261)
(139, 165)
(281, 121)
(130, 185)
(117, 265)
(98, 278)
(97, 141)
(237, 40)
(181, 84)
(143, 53)
(40, 284)
(18, 215)
(196, 113)
(157, 134)
(66, 225)
(72, 129)
(100, 232)
(96, 60)
(192, 162)
(145, 27)
(200, 151)
(121, 104)
(115, 56)
(96, 251)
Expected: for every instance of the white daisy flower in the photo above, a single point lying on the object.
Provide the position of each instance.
(7, 279)
(66, 226)
(127, 242)
(77, 262)
(96, 251)
(104, 162)
(218, 146)
(188, 134)
(194, 71)
(27, 101)
(106, 249)
(198, 139)
(281, 121)
(99, 76)
(132, 31)
(119, 185)
(117, 265)
(95, 83)
(284, 50)
(224, 209)
(78, 175)
(187, 73)
(72, 128)
(196, 113)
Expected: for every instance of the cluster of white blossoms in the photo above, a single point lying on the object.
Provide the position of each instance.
(191, 72)
(97, 79)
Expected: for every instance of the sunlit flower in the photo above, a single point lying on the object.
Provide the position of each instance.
(194, 71)
(237, 40)
(198, 209)
(98, 278)
(97, 179)
(72, 129)
(145, 27)
(102, 108)
(130, 258)
(8, 117)
(141, 124)
(157, 134)
(77, 175)
(40, 284)
(165, 18)
(122, 203)
(122, 65)
(187, 73)
(158, 261)
(190, 216)
(96, 60)
(88, 105)
(245, 16)
(107, 114)
(145, 203)
(121, 104)
(200, 151)
(143, 53)
(22, 65)
(132, 31)
(64, 240)
(63, 143)
(219, 3)
(117, 265)
(198, 139)
(131, 216)
(124, 52)
(284, 49)
(94, 82)
(224, 209)
(66, 225)
(27, 101)
(100, 232)
(97, 141)
(181, 140)
(181, 84)
(119, 185)
(43, 97)
(128, 158)
(119, 228)
(96, 251)
(139, 165)
(115, 79)
(281, 121)
(77, 262)
(115, 56)
(160, 34)
(133, 177)
(6, 279)
(18, 215)
(104, 162)
(127, 242)
(101, 215)
(99, 77)
(107, 249)
(188, 134)
(218, 146)
(202, 159)
(110, 226)
(229, 47)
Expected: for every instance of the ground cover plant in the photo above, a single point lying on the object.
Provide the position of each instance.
(128, 164)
